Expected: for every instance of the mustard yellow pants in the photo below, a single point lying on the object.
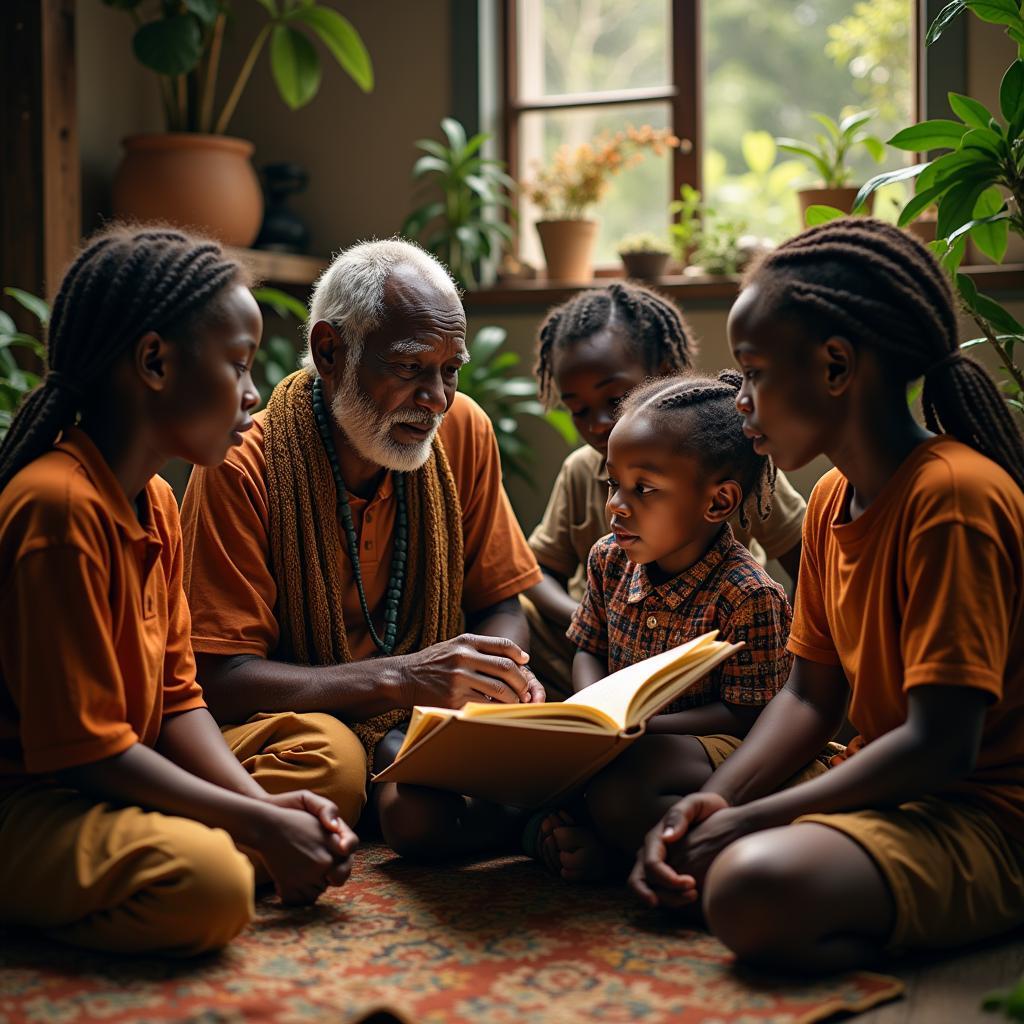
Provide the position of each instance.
(129, 880)
(288, 751)
(123, 880)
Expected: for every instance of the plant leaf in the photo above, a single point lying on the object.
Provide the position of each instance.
(434, 149)
(169, 46)
(850, 124)
(937, 134)
(205, 10)
(919, 204)
(426, 164)
(828, 124)
(997, 12)
(35, 305)
(942, 19)
(876, 147)
(485, 343)
(992, 236)
(956, 207)
(456, 134)
(1011, 91)
(561, 420)
(19, 340)
(996, 315)
(7, 325)
(886, 178)
(820, 213)
(969, 110)
(340, 37)
(420, 218)
(281, 303)
(295, 64)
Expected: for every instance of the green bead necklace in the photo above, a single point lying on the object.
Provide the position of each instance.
(398, 558)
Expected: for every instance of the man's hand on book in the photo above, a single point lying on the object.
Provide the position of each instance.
(469, 667)
(674, 856)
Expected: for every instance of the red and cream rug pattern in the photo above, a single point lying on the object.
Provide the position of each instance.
(493, 943)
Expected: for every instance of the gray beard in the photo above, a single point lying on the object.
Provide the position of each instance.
(369, 430)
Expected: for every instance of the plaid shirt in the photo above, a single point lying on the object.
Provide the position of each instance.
(624, 618)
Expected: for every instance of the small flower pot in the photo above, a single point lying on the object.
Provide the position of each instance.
(568, 249)
(840, 198)
(644, 266)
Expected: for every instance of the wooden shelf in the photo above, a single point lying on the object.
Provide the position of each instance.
(284, 268)
(275, 268)
(541, 294)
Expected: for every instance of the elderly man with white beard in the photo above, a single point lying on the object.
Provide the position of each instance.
(357, 555)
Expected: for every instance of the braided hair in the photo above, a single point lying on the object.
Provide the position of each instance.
(125, 281)
(879, 287)
(653, 323)
(699, 414)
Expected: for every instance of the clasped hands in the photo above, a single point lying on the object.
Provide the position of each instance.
(676, 854)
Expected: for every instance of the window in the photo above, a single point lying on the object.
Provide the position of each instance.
(728, 76)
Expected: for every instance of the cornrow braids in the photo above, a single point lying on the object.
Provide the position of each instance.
(699, 413)
(653, 323)
(125, 281)
(879, 287)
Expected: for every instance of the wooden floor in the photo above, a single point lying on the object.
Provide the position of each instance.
(949, 990)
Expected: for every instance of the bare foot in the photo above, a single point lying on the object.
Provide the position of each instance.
(571, 850)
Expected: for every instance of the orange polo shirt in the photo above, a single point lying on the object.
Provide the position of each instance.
(94, 628)
(925, 588)
(225, 521)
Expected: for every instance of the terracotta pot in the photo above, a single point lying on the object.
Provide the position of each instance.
(203, 182)
(644, 266)
(568, 249)
(840, 198)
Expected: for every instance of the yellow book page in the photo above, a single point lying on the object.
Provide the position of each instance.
(555, 712)
(616, 694)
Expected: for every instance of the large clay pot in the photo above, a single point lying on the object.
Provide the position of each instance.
(840, 198)
(568, 249)
(203, 182)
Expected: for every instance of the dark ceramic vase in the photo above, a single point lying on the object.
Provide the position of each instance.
(282, 230)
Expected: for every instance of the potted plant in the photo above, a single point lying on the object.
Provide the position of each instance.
(975, 187)
(194, 174)
(507, 399)
(15, 381)
(721, 247)
(644, 256)
(828, 156)
(573, 184)
(462, 226)
(686, 223)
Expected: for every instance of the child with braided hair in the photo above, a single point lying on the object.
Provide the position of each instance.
(909, 608)
(591, 351)
(679, 470)
(123, 813)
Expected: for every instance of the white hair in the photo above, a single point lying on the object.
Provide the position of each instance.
(349, 294)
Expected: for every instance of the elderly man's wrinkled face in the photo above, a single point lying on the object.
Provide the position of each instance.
(395, 392)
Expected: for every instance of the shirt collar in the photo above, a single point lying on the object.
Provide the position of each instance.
(675, 591)
(77, 443)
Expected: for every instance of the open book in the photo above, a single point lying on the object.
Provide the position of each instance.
(528, 755)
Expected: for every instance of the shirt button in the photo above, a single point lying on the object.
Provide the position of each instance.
(652, 621)
(368, 545)
(369, 517)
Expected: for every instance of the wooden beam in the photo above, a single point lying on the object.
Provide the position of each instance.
(40, 203)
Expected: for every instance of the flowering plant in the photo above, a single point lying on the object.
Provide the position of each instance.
(578, 178)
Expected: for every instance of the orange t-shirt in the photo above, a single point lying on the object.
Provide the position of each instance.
(925, 588)
(225, 521)
(94, 627)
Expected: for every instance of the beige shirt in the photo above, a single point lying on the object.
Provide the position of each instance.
(575, 519)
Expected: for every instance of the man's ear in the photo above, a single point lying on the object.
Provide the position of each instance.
(327, 349)
(152, 355)
(725, 501)
(839, 359)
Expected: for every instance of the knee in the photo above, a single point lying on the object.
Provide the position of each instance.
(413, 820)
(335, 764)
(751, 899)
(211, 897)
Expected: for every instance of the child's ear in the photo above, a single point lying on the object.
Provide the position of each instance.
(840, 359)
(151, 359)
(725, 501)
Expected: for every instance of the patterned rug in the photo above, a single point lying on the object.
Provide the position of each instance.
(493, 943)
